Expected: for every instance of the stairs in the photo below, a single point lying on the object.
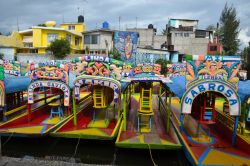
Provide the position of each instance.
(100, 101)
(145, 111)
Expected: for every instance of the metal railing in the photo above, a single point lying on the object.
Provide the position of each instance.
(228, 121)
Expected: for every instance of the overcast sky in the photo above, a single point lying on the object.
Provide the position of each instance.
(157, 12)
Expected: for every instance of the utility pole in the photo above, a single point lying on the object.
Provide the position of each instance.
(136, 23)
(119, 23)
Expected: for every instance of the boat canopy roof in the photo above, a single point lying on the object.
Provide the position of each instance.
(16, 84)
(244, 90)
(178, 86)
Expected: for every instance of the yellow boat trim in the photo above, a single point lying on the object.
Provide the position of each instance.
(215, 157)
(116, 127)
(99, 124)
(87, 131)
(15, 110)
(25, 130)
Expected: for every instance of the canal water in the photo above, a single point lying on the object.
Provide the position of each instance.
(88, 151)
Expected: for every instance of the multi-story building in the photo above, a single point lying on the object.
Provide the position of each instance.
(214, 47)
(185, 37)
(38, 38)
(9, 45)
(98, 41)
(148, 38)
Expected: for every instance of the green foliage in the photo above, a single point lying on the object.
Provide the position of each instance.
(1, 55)
(1, 73)
(41, 25)
(116, 54)
(245, 55)
(163, 64)
(59, 48)
(211, 27)
(87, 49)
(229, 30)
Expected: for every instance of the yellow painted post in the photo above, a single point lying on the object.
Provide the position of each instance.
(244, 113)
(124, 111)
(169, 112)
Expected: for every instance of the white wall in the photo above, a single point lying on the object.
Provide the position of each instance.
(8, 53)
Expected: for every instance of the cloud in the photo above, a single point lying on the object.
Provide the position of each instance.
(156, 12)
(244, 36)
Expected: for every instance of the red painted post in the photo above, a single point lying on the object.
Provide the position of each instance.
(29, 112)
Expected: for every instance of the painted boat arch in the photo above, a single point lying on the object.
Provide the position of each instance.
(222, 87)
(97, 80)
(51, 84)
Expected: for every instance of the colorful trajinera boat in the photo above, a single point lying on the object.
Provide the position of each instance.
(209, 111)
(101, 117)
(43, 114)
(146, 120)
(13, 95)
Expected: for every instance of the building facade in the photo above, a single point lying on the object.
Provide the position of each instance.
(38, 38)
(148, 38)
(185, 37)
(98, 41)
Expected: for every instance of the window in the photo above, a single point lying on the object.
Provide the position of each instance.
(77, 41)
(71, 27)
(86, 39)
(68, 37)
(94, 39)
(179, 34)
(186, 34)
(91, 39)
(51, 37)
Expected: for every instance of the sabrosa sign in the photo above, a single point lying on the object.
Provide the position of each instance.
(52, 84)
(211, 85)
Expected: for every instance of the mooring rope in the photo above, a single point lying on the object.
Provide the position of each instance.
(8, 139)
(151, 155)
(76, 147)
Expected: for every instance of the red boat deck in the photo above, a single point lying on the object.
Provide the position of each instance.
(213, 146)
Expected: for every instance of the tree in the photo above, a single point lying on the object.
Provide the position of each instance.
(163, 64)
(116, 54)
(42, 25)
(1, 55)
(229, 29)
(59, 48)
(245, 55)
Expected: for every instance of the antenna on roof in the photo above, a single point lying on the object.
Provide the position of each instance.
(17, 24)
(119, 23)
(63, 18)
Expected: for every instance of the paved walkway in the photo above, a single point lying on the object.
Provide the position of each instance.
(30, 161)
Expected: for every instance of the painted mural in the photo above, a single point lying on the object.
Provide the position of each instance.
(149, 72)
(49, 71)
(93, 80)
(2, 87)
(177, 69)
(100, 66)
(126, 43)
(201, 67)
(12, 68)
(147, 68)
